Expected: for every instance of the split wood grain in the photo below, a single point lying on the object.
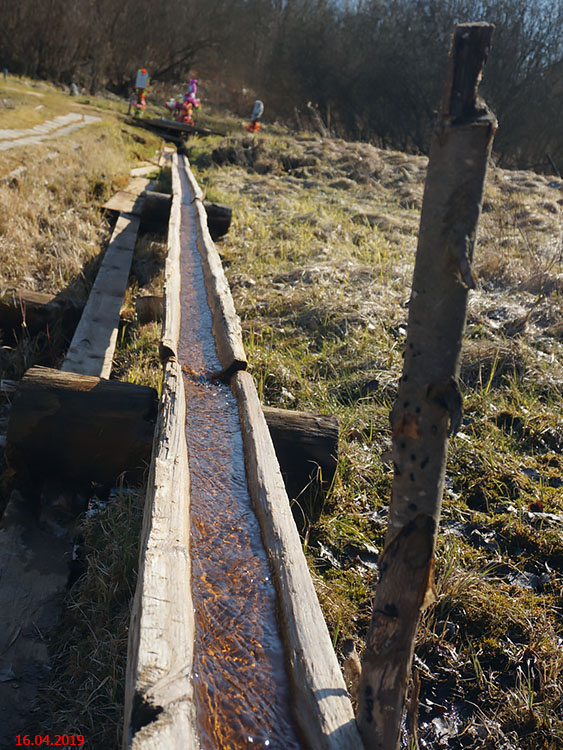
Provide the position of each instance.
(171, 308)
(93, 344)
(321, 704)
(159, 706)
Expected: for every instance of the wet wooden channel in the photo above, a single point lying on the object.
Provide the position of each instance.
(228, 648)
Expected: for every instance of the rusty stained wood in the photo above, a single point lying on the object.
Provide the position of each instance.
(226, 323)
(321, 705)
(93, 344)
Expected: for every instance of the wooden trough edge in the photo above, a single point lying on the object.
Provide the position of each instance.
(158, 687)
(321, 703)
(171, 309)
(226, 323)
(159, 706)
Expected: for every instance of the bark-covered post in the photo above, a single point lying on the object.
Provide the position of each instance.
(428, 407)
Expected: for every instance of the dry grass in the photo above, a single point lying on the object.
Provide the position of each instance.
(320, 263)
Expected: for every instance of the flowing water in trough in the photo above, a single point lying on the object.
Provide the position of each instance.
(240, 681)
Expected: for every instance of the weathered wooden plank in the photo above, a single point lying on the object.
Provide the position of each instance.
(93, 344)
(130, 200)
(321, 704)
(226, 323)
(35, 311)
(159, 709)
(171, 308)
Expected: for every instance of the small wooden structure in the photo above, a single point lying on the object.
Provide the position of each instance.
(159, 709)
(73, 425)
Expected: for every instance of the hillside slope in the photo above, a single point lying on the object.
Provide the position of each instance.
(319, 259)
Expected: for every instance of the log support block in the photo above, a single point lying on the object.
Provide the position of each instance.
(306, 447)
(80, 427)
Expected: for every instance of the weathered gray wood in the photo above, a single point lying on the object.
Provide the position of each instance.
(428, 406)
(159, 705)
(321, 704)
(93, 344)
(130, 200)
(159, 708)
(226, 323)
(80, 427)
(171, 309)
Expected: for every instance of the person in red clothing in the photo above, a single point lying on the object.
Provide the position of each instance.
(257, 112)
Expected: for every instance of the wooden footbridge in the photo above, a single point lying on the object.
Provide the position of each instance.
(228, 647)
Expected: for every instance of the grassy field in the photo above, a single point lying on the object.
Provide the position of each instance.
(320, 262)
(319, 259)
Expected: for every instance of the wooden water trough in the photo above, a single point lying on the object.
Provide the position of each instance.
(159, 698)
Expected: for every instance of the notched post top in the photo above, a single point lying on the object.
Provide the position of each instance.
(468, 54)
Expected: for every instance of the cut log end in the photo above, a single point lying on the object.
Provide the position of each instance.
(80, 427)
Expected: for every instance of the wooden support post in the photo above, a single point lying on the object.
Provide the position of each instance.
(219, 219)
(428, 407)
(155, 212)
(149, 309)
(79, 427)
(306, 447)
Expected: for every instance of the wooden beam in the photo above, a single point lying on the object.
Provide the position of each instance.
(93, 344)
(219, 219)
(321, 704)
(149, 309)
(130, 200)
(159, 707)
(159, 704)
(80, 427)
(35, 311)
(156, 212)
(306, 447)
(171, 308)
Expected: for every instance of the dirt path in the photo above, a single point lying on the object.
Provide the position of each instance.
(59, 126)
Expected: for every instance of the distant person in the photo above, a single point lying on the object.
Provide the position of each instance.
(5, 73)
(257, 112)
(74, 89)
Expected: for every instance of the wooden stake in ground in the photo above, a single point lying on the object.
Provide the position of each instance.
(428, 407)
